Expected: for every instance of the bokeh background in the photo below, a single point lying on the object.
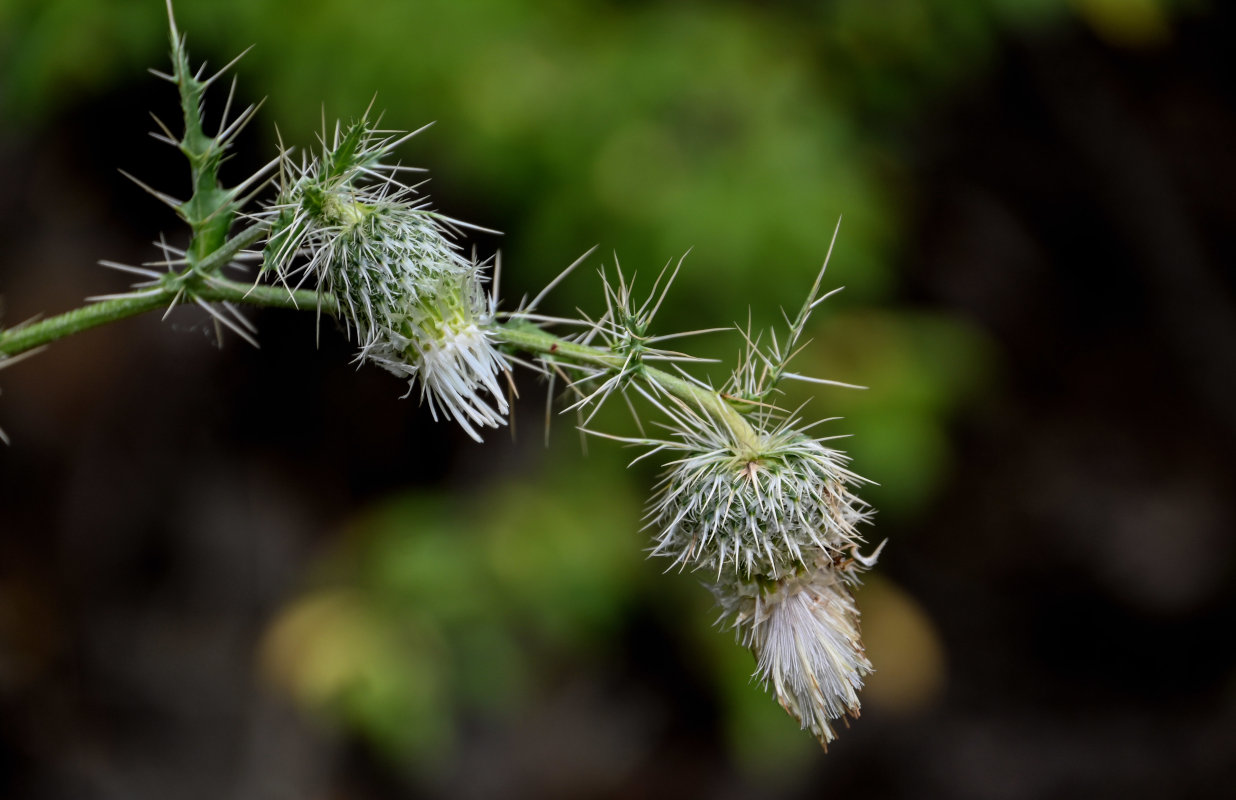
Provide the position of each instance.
(228, 572)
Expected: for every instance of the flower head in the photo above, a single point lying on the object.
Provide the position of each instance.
(344, 222)
(417, 306)
(756, 505)
(771, 513)
(770, 510)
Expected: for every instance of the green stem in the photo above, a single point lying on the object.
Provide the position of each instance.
(532, 339)
(221, 289)
(27, 337)
(520, 335)
(232, 247)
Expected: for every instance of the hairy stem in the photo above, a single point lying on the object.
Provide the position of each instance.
(27, 337)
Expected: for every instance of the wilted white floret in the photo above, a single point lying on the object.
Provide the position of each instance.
(443, 338)
(804, 632)
(756, 507)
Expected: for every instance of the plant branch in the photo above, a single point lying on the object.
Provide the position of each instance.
(27, 337)
(531, 339)
(517, 334)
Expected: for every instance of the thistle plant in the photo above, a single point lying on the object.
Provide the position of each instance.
(750, 497)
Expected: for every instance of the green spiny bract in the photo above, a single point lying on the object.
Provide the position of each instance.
(757, 507)
(343, 223)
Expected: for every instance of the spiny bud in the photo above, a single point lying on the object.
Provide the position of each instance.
(756, 505)
(361, 241)
(416, 305)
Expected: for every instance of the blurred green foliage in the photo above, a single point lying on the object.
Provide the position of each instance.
(741, 130)
(431, 606)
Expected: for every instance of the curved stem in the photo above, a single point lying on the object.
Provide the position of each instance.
(518, 334)
(532, 339)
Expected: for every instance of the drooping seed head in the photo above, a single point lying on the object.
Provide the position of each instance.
(803, 630)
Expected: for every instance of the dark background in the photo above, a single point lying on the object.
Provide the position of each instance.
(228, 572)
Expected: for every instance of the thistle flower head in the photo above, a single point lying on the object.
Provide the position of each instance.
(416, 305)
(769, 508)
(803, 630)
(757, 506)
(342, 221)
(754, 491)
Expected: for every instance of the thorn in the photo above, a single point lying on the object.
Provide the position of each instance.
(134, 270)
(392, 145)
(166, 198)
(561, 275)
(98, 298)
(8, 361)
(267, 167)
(221, 318)
(461, 223)
(227, 104)
(665, 291)
(171, 21)
(173, 304)
(822, 381)
(223, 69)
(244, 118)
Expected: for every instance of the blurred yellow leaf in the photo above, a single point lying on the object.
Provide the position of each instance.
(1126, 23)
(903, 644)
